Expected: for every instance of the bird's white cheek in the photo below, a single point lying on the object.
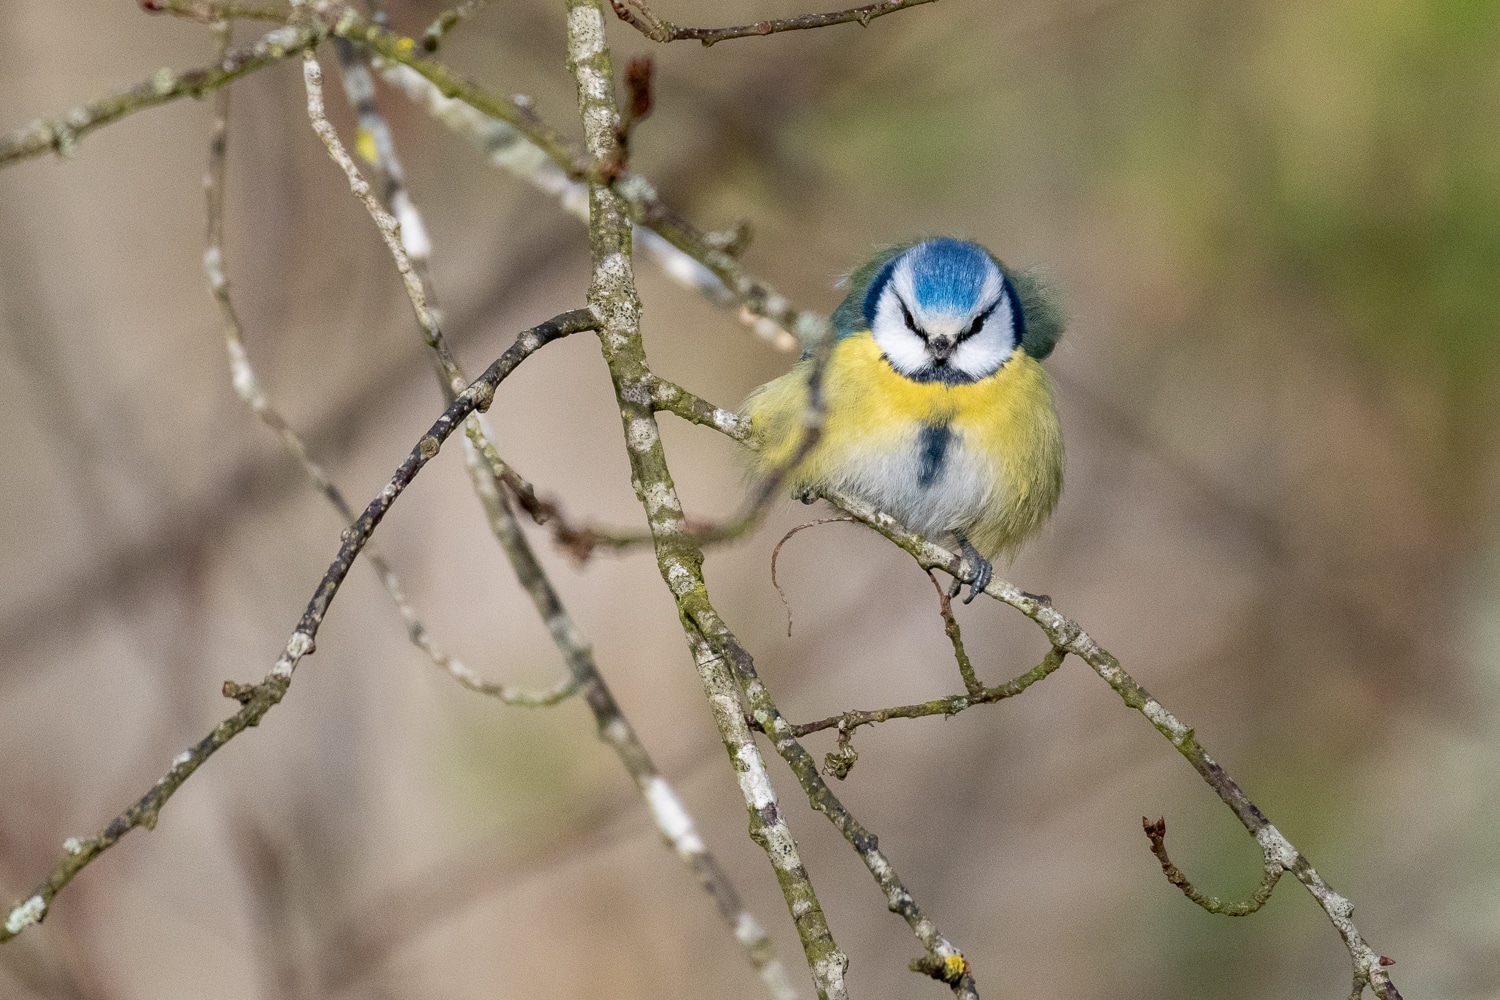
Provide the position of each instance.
(906, 353)
(982, 356)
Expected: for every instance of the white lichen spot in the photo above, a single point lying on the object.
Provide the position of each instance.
(637, 391)
(726, 421)
(414, 238)
(281, 39)
(659, 498)
(636, 188)
(592, 82)
(668, 524)
(182, 759)
(673, 821)
(299, 645)
(642, 434)
(747, 930)
(678, 578)
(585, 32)
(25, 915)
(1278, 849)
(614, 266)
(246, 386)
(618, 731)
(73, 846)
(754, 781)
(163, 80)
(800, 908)
(1164, 720)
(666, 392)
(213, 266)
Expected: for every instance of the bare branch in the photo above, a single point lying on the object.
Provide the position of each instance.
(61, 135)
(613, 296)
(213, 12)
(1068, 636)
(490, 476)
(247, 386)
(639, 16)
(258, 699)
(444, 23)
(950, 705)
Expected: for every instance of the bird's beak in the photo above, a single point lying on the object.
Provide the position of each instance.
(941, 347)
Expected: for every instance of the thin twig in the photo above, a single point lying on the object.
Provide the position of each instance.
(490, 476)
(60, 135)
(213, 12)
(776, 553)
(247, 386)
(444, 23)
(1157, 834)
(258, 699)
(1067, 635)
(946, 706)
(639, 16)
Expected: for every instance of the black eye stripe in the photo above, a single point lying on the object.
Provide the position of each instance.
(911, 322)
(979, 321)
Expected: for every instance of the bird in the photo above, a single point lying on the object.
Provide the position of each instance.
(938, 410)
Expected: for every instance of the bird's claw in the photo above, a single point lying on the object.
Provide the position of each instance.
(973, 569)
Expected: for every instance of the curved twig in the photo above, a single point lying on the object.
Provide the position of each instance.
(1157, 833)
(776, 553)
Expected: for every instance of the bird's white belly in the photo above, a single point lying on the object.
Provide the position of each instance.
(931, 487)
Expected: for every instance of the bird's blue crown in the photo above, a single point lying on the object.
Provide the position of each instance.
(948, 276)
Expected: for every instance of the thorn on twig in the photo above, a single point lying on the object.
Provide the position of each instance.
(776, 552)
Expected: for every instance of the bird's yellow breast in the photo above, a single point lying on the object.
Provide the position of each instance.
(998, 448)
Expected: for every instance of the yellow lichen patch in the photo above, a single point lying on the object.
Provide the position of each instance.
(954, 966)
(364, 145)
(405, 46)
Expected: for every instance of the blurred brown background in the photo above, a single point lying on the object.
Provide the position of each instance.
(1276, 227)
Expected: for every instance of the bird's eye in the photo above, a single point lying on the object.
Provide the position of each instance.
(978, 323)
(911, 322)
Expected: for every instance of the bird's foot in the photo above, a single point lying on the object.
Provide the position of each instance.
(973, 569)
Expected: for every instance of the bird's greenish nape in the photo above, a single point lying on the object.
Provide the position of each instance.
(938, 410)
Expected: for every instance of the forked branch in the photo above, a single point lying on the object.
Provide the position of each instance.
(258, 699)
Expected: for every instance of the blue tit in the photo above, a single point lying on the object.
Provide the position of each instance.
(938, 409)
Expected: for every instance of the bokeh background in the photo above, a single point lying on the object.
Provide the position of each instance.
(1276, 228)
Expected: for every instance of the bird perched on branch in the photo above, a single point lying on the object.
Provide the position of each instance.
(937, 409)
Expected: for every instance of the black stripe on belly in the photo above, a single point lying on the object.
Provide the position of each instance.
(932, 446)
